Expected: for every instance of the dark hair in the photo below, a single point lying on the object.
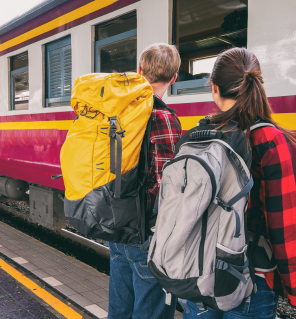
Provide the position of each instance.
(237, 73)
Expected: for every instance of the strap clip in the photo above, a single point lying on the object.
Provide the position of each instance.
(221, 265)
(113, 126)
(223, 205)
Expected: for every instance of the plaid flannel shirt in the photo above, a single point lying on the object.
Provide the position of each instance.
(165, 133)
(274, 196)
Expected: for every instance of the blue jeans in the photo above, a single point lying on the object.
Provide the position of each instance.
(133, 291)
(262, 305)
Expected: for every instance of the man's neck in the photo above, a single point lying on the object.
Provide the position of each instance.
(160, 88)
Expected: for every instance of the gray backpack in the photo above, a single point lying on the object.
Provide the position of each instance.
(199, 249)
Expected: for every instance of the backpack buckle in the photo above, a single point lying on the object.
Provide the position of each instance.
(225, 206)
(221, 265)
(113, 126)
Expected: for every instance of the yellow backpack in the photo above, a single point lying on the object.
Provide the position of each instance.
(100, 157)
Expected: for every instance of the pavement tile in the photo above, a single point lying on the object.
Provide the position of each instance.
(52, 281)
(4, 250)
(39, 264)
(105, 278)
(90, 285)
(63, 278)
(49, 262)
(11, 247)
(52, 271)
(27, 257)
(11, 254)
(67, 291)
(30, 266)
(39, 256)
(50, 255)
(97, 311)
(31, 251)
(13, 241)
(62, 269)
(78, 298)
(39, 249)
(93, 297)
(104, 305)
(40, 273)
(102, 292)
(100, 282)
(20, 260)
(61, 261)
(75, 276)
(77, 287)
(21, 253)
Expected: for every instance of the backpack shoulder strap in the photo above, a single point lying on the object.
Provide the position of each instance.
(260, 124)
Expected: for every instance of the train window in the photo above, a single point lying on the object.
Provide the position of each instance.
(116, 45)
(201, 30)
(19, 82)
(58, 72)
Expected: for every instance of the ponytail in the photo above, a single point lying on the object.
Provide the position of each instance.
(238, 75)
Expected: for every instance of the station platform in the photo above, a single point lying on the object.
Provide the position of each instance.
(83, 289)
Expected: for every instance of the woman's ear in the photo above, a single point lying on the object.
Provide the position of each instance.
(215, 88)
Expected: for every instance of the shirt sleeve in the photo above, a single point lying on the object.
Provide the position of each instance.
(165, 133)
(280, 208)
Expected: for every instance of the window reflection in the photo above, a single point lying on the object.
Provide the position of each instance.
(21, 90)
(119, 56)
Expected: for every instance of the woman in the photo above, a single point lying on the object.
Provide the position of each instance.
(237, 88)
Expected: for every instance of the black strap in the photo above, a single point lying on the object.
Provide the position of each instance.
(118, 230)
(251, 251)
(115, 165)
(146, 147)
(112, 135)
(56, 176)
(145, 246)
(118, 166)
(233, 269)
(112, 155)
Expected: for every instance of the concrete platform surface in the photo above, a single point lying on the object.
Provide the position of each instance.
(81, 284)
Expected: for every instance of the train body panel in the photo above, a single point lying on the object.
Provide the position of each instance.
(31, 138)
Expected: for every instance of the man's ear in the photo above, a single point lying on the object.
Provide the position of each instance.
(173, 80)
(140, 70)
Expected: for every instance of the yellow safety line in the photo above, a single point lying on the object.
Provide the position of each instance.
(60, 21)
(37, 125)
(286, 120)
(55, 303)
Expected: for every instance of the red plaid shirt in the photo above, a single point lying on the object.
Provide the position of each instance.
(274, 195)
(165, 133)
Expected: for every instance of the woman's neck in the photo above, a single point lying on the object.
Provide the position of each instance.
(226, 104)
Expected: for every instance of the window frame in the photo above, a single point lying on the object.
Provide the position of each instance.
(51, 46)
(12, 73)
(113, 39)
(189, 84)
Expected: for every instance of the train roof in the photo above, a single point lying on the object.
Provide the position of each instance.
(34, 12)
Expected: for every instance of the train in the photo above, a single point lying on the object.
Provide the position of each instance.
(43, 51)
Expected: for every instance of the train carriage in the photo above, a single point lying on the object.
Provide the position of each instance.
(43, 51)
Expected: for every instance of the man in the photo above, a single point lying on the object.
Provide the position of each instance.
(133, 291)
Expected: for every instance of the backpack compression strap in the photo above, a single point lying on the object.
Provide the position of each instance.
(116, 136)
(228, 206)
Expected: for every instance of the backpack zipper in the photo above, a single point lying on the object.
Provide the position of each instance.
(205, 215)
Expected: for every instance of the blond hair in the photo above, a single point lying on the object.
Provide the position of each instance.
(160, 62)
